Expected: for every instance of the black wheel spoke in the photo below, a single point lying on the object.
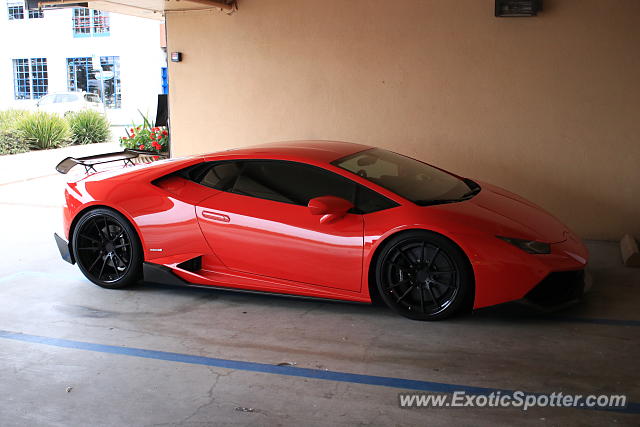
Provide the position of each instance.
(102, 268)
(433, 258)
(439, 283)
(114, 266)
(433, 296)
(409, 289)
(100, 233)
(84, 236)
(421, 299)
(407, 257)
(94, 262)
(106, 227)
(118, 236)
(395, 264)
(395, 285)
(120, 260)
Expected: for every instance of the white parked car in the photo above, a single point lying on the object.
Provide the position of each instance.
(63, 103)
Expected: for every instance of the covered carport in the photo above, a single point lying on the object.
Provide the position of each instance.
(544, 105)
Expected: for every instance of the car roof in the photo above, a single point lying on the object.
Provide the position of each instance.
(313, 150)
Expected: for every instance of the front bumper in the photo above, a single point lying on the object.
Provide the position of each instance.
(559, 289)
(65, 249)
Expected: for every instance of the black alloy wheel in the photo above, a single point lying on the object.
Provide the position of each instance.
(107, 249)
(424, 276)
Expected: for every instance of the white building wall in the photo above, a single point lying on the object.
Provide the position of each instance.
(136, 41)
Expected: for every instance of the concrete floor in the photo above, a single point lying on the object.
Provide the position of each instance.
(591, 348)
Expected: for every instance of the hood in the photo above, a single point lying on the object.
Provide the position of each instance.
(518, 217)
(502, 213)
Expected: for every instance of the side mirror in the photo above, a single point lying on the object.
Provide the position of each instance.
(330, 207)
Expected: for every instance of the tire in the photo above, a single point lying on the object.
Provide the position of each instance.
(107, 249)
(424, 276)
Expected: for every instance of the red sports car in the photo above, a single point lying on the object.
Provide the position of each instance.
(319, 219)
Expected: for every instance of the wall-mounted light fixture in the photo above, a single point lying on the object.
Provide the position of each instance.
(518, 8)
(176, 56)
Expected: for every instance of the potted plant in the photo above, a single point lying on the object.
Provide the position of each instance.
(147, 138)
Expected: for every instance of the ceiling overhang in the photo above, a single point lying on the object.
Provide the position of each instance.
(154, 9)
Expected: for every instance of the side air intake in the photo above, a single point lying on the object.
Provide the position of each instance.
(193, 264)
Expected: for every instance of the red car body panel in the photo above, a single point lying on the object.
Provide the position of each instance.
(261, 245)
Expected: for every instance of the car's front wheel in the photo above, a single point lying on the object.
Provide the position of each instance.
(107, 249)
(423, 276)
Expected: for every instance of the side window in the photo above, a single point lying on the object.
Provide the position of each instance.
(291, 182)
(296, 183)
(220, 176)
(69, 97)
(368, 201)
(286, 182)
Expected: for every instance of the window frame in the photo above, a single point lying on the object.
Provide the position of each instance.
(202, 170)
(17, 10)
(87, 22)
(30, 78)
(36, 13)
(114, 100)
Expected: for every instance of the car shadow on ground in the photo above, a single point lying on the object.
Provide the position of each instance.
(518, 312)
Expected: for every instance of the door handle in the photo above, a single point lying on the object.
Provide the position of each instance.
(215, 216)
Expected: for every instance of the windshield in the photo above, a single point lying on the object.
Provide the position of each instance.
(407, 177)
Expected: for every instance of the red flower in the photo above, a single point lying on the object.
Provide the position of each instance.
(133, 135)
(153, 136)
(165, 133)
(141, 147)
(131, 130)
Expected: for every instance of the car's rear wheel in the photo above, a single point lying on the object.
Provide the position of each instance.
(423, 276)
(107, 249)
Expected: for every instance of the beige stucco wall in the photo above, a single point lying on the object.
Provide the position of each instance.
(548, 107)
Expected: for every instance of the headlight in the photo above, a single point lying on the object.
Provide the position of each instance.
(529, 246)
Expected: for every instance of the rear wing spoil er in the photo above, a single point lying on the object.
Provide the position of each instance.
(90, 162)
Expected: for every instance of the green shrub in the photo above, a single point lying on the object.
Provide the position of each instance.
(88, 127)
(9, 119)
(12, 143)
(44, 130)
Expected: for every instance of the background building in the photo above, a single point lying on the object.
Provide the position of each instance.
(116, 56)
(546, 106)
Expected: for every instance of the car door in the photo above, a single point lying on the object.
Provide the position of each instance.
(257, 221)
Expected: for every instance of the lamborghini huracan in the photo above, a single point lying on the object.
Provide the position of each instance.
(318, 219)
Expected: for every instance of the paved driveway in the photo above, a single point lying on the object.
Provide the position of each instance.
(72, 353)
